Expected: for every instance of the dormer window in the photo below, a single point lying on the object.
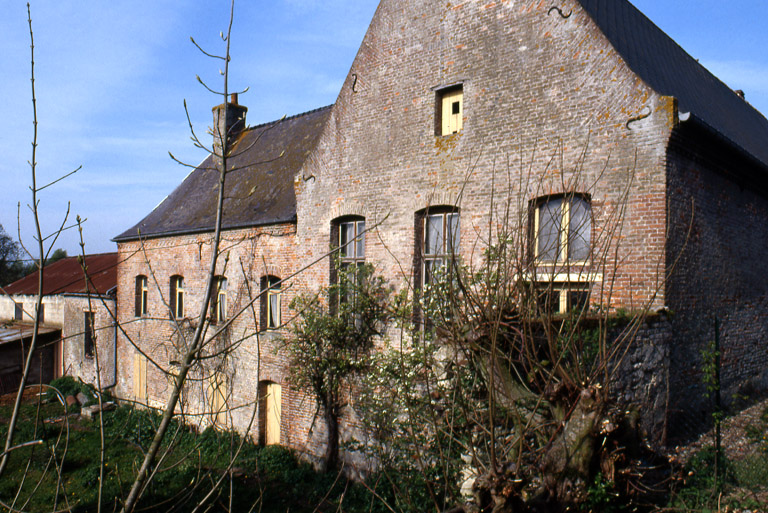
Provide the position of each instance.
(450, 110)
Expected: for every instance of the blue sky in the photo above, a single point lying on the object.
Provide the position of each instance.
(111, 78)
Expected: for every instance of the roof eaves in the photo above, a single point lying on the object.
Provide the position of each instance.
(726, 140)
(194, 231)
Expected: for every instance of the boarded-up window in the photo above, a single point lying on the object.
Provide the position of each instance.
(450, 110)
(217, 399)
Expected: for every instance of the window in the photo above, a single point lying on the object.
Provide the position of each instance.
(18, 313)
(560, 298)
(351, 241)
(41, 312)
(219, 300)
(562, 233)
(140, 308)
(440, 243)
(88, 333)
(177, 297)
(563, 230)
(270, 303)
(449, 110)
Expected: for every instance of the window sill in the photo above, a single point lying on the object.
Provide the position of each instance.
(554, 276)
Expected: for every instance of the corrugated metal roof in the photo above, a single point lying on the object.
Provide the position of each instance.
(16, 331)
(669, 70)
(259, 191)
(66, 276)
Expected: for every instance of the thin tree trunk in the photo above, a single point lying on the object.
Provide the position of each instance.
(332, 448)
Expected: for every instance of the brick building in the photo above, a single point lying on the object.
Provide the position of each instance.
(604, 137)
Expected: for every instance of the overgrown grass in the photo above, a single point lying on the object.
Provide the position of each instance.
(63, 472)
(741, 484)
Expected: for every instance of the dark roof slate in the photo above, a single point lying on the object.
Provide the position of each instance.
(66, 276)
(669, 70)
(258, 191)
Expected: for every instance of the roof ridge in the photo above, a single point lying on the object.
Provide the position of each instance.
(294, 116)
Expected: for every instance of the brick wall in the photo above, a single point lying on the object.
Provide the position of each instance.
(718, 206)
(547, 103)
(254, 355)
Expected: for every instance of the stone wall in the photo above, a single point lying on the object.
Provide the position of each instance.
(75, 362)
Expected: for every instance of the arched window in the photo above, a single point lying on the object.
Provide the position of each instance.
(140, 308)
(270, 314)
(347, 234)
(219, 300)
(177, 297)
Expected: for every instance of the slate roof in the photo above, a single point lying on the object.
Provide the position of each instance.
(66, 276)
(259, 191)
(669, 70)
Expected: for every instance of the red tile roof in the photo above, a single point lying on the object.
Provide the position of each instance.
(66, 276)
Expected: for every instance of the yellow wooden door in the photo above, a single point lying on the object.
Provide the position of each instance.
(217, 391)
(139, 377)
(272, 417)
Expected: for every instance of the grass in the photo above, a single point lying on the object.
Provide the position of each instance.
(743, 481)
(63, 472)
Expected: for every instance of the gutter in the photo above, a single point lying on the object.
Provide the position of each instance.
(113, 292)
(194, 231)
(689, 117)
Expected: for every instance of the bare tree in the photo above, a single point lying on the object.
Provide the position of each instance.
(506, 384)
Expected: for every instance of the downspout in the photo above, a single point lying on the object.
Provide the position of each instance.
(113, 293)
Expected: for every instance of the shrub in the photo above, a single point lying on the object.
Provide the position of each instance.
(67, 385)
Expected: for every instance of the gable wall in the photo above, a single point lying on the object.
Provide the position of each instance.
(540, 91)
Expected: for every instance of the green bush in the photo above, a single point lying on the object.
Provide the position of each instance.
(67, 385)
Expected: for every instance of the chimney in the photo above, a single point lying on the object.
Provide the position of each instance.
(229, 127)
(740, 94)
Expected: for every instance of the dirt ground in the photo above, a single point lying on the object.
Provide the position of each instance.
(30, 394)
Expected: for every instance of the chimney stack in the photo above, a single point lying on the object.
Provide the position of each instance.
(229, 127)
